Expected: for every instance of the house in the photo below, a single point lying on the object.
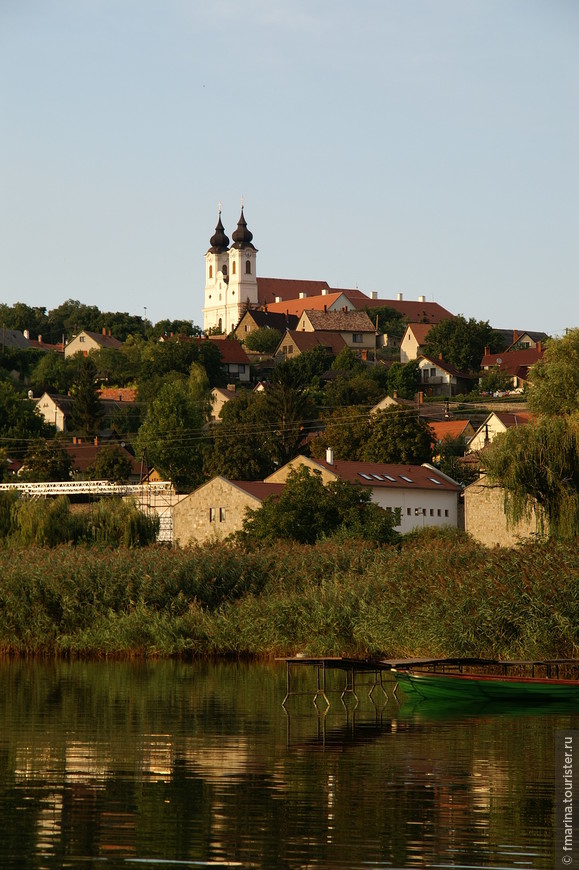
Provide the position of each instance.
(83, 453)
(439, 378)
(118, 394)
(496, 423)
(355, 327)
(217, 509)
(295, 342)
(514, 363)
(13, 339)
(327, 301)
(219, 397)
(234, 359)
(485, 519)
(413, 341)
(259, 318)
(521, 339)
(55, 408)
(424, 495)
(451, 429)
(86, 341)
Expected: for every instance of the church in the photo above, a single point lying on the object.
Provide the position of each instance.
(232, 285)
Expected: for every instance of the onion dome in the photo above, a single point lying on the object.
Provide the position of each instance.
(242, 236)
(219, 241)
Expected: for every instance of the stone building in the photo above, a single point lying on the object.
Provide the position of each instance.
(485, 519)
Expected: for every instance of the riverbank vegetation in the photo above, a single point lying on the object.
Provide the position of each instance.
(437, 593)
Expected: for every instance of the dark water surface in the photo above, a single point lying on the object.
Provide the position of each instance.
(169, 765)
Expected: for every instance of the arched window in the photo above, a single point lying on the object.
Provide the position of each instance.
(211, 271)
(233, 268)
(248, 267)
(224, 270)
(220, 324)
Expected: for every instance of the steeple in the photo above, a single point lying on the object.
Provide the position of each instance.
(242, 237)
(219, 241)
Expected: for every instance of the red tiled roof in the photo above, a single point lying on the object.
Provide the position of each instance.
(118, 394)
(419, 476)
(84, 454)
(305, 341)
(287, 288)
(310, 303)
(259, 489)
(509, 420)
(339, 321)
(231, 351)
(413, 311)
(419, 331)
(103, 340)
(448, 428)
(513, 361)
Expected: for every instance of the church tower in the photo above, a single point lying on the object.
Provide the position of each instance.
(216, 275)
(230, 277)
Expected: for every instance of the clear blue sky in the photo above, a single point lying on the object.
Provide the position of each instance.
(418, 146)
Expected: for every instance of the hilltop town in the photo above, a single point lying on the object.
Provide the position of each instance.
(286, 380)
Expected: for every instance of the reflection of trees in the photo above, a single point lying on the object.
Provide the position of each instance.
(179, 761)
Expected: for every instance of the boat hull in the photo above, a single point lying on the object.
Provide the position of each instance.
(475, 687)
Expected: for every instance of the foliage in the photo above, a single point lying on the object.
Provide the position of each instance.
(53, 373)
(450, 453)
(495, 381)
(357, 389)
(555, 378)
(539, 464)
(263, 340)
(390, 322)
(111, 463)
(398, 436)
(19, 421)
(119, 523)
(241, 445)
(307, 510)
(172, 435)
(346, 431)
(462, 342)
(86, 408)
(46, 460)
(304, 369)
(404, 379)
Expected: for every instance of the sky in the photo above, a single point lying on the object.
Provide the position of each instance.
(423, 147)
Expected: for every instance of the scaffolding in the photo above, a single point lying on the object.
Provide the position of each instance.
(155, 498)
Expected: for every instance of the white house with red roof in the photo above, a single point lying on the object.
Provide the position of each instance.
(495, 424)
(423, 494)
(439, 378)
(514, 363)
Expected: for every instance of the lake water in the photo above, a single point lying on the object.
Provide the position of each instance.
(165, 765)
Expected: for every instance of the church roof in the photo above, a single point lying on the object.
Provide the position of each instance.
(242, 237)
(219, 241)
(268, 289)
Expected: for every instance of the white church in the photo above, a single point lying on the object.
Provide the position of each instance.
(232, 285)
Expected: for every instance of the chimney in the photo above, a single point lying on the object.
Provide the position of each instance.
(329, 456)
(104, 330)
(421, 398)
(422, 298)
(515, 335)
(324, 291)
(394, 394)
(539, 348)
(230, 388)
(96, 441)
(325, 309)
(373, 294)
(487, 350)
(39, 339)
(399, 297)
(110, 333)
(440, 357)
(26, 334)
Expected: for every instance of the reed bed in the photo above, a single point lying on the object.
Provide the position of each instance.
(436, 594)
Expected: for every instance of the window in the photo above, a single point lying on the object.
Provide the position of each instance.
(248, 267)
(290, 348)
(438, 513)
(357, 337)
(408, 512)
(434, 480)
(81, 338)
(211, 271)
(221, 515)
(423, 512)
(245, 328)
(431, 512)
(446, 513)
(224, 269)
(432, 373)
(407, 479)
(220, 323)
(233, 268)
(212, 514)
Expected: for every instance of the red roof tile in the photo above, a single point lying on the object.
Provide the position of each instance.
(377, 474)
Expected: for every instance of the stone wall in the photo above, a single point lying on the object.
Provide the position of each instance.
(485, 519)
(211, 513)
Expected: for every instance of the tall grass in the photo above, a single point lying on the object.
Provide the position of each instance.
(437, 594)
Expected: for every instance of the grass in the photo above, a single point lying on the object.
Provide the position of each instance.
(437, 594)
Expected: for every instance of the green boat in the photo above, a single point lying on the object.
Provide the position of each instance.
(542, 685)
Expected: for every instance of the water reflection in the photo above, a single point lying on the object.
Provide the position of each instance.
(200, 765)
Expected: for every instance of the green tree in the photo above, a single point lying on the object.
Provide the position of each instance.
(46, 461)
(242, 443)
(346, 431)
(111, 463)
(539, 464)
(462, 342)
(390, 322)
(19, 421)
(356, 389)
(555, 378)
(404, 379)
(263, 340)
(307, 510)
(86, 408)
(53, 374)
(172, 435)
(398, 436)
